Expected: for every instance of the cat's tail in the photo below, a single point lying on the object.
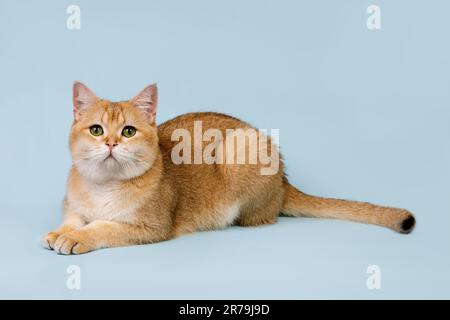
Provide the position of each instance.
(299, 204)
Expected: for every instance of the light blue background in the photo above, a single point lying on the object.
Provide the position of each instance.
(362, 114)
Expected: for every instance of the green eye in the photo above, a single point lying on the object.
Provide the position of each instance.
(96, 130)
(129, 131)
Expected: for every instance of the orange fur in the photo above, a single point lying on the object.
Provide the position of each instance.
(139, 195)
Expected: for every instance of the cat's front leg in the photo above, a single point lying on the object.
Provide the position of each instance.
(71, 222)
(107, 234)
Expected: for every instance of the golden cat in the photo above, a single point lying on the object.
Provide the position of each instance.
(125, 188)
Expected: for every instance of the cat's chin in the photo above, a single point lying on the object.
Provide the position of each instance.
(110, 170)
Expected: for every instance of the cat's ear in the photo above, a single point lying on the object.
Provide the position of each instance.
(147, 101)
(83, 98)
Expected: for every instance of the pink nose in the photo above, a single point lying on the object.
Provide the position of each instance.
(111, 145)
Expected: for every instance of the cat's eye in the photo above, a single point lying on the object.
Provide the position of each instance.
(96, 130)
(128, 131)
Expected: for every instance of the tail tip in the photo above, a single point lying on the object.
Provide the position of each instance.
(408, 224)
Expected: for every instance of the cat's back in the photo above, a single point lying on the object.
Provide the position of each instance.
(214, 131)
(210, 194)
(202, 120)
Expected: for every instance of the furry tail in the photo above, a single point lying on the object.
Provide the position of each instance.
(299, 204)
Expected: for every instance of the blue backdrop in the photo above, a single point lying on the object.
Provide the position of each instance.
(363, 114)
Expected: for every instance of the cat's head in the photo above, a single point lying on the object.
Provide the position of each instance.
(113, 140)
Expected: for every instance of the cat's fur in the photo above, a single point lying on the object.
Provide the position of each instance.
(140, 196)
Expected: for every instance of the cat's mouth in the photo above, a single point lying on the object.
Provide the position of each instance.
(110, 157)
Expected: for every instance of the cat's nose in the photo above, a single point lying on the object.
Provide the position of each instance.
(111, 145)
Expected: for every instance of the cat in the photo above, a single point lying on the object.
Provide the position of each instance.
(125, 189)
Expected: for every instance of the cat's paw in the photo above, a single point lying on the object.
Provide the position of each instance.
(48, 241)
(73, 243)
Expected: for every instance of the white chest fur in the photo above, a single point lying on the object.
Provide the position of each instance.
(103, 202)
